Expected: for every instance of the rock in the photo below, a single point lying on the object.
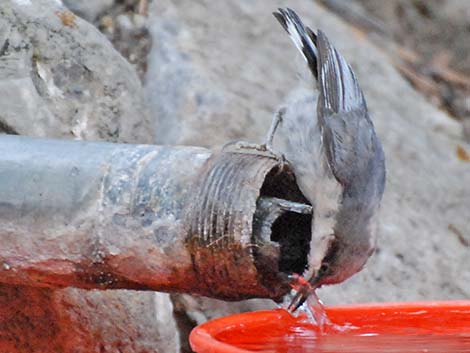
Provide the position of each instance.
(125, 26)
(88, 9)
(71, 320)
(59, 77)
(418, 25)
(453, 10)
(201, 74)
(130, 36)
(217, 71)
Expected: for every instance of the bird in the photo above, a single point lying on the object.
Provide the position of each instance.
(337, 159)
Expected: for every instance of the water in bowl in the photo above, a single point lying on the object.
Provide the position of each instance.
(403, 329)
(313, 307)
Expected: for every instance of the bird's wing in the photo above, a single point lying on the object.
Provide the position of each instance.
(347, 131)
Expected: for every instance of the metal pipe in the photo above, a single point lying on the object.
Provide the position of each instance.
(180, 219)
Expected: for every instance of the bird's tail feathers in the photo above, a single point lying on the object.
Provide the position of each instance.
(303, 37)
(339, 88)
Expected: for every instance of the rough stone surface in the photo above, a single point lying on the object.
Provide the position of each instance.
(428, 27)
(124, 23)
(59, 77)
(71, 320)
(88, 9)
(220, 70)
(201, 72)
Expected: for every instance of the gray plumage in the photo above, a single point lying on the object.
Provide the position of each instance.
(337, 159)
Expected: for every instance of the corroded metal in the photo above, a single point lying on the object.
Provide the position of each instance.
(181, 219)
(220, 230)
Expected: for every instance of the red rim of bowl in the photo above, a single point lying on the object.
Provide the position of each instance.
(202, 337)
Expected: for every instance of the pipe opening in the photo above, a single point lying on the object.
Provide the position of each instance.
(290, 222)
(250, 228)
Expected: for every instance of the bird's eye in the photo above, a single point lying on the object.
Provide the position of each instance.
(324, 267)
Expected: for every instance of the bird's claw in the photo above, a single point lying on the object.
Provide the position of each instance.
(254, 148)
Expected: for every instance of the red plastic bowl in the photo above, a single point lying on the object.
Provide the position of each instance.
(410, 326)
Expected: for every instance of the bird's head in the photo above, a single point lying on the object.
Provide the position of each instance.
(342, 258)
(335, 258)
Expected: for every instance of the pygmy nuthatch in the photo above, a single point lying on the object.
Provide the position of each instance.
(337, 159)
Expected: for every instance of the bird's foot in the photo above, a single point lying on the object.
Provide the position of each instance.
(265, 149)
(254, 148)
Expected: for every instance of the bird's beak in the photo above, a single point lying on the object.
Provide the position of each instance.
(299, 298)
(303, 293)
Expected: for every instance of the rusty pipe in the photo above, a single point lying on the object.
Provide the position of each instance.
(179, 219)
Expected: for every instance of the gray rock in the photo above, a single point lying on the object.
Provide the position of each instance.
(218, 70)
(88, 9)
(201, 73)
(36, 320)
(453, 10)
(59, 77)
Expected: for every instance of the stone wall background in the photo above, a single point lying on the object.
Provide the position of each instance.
(203, 73)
